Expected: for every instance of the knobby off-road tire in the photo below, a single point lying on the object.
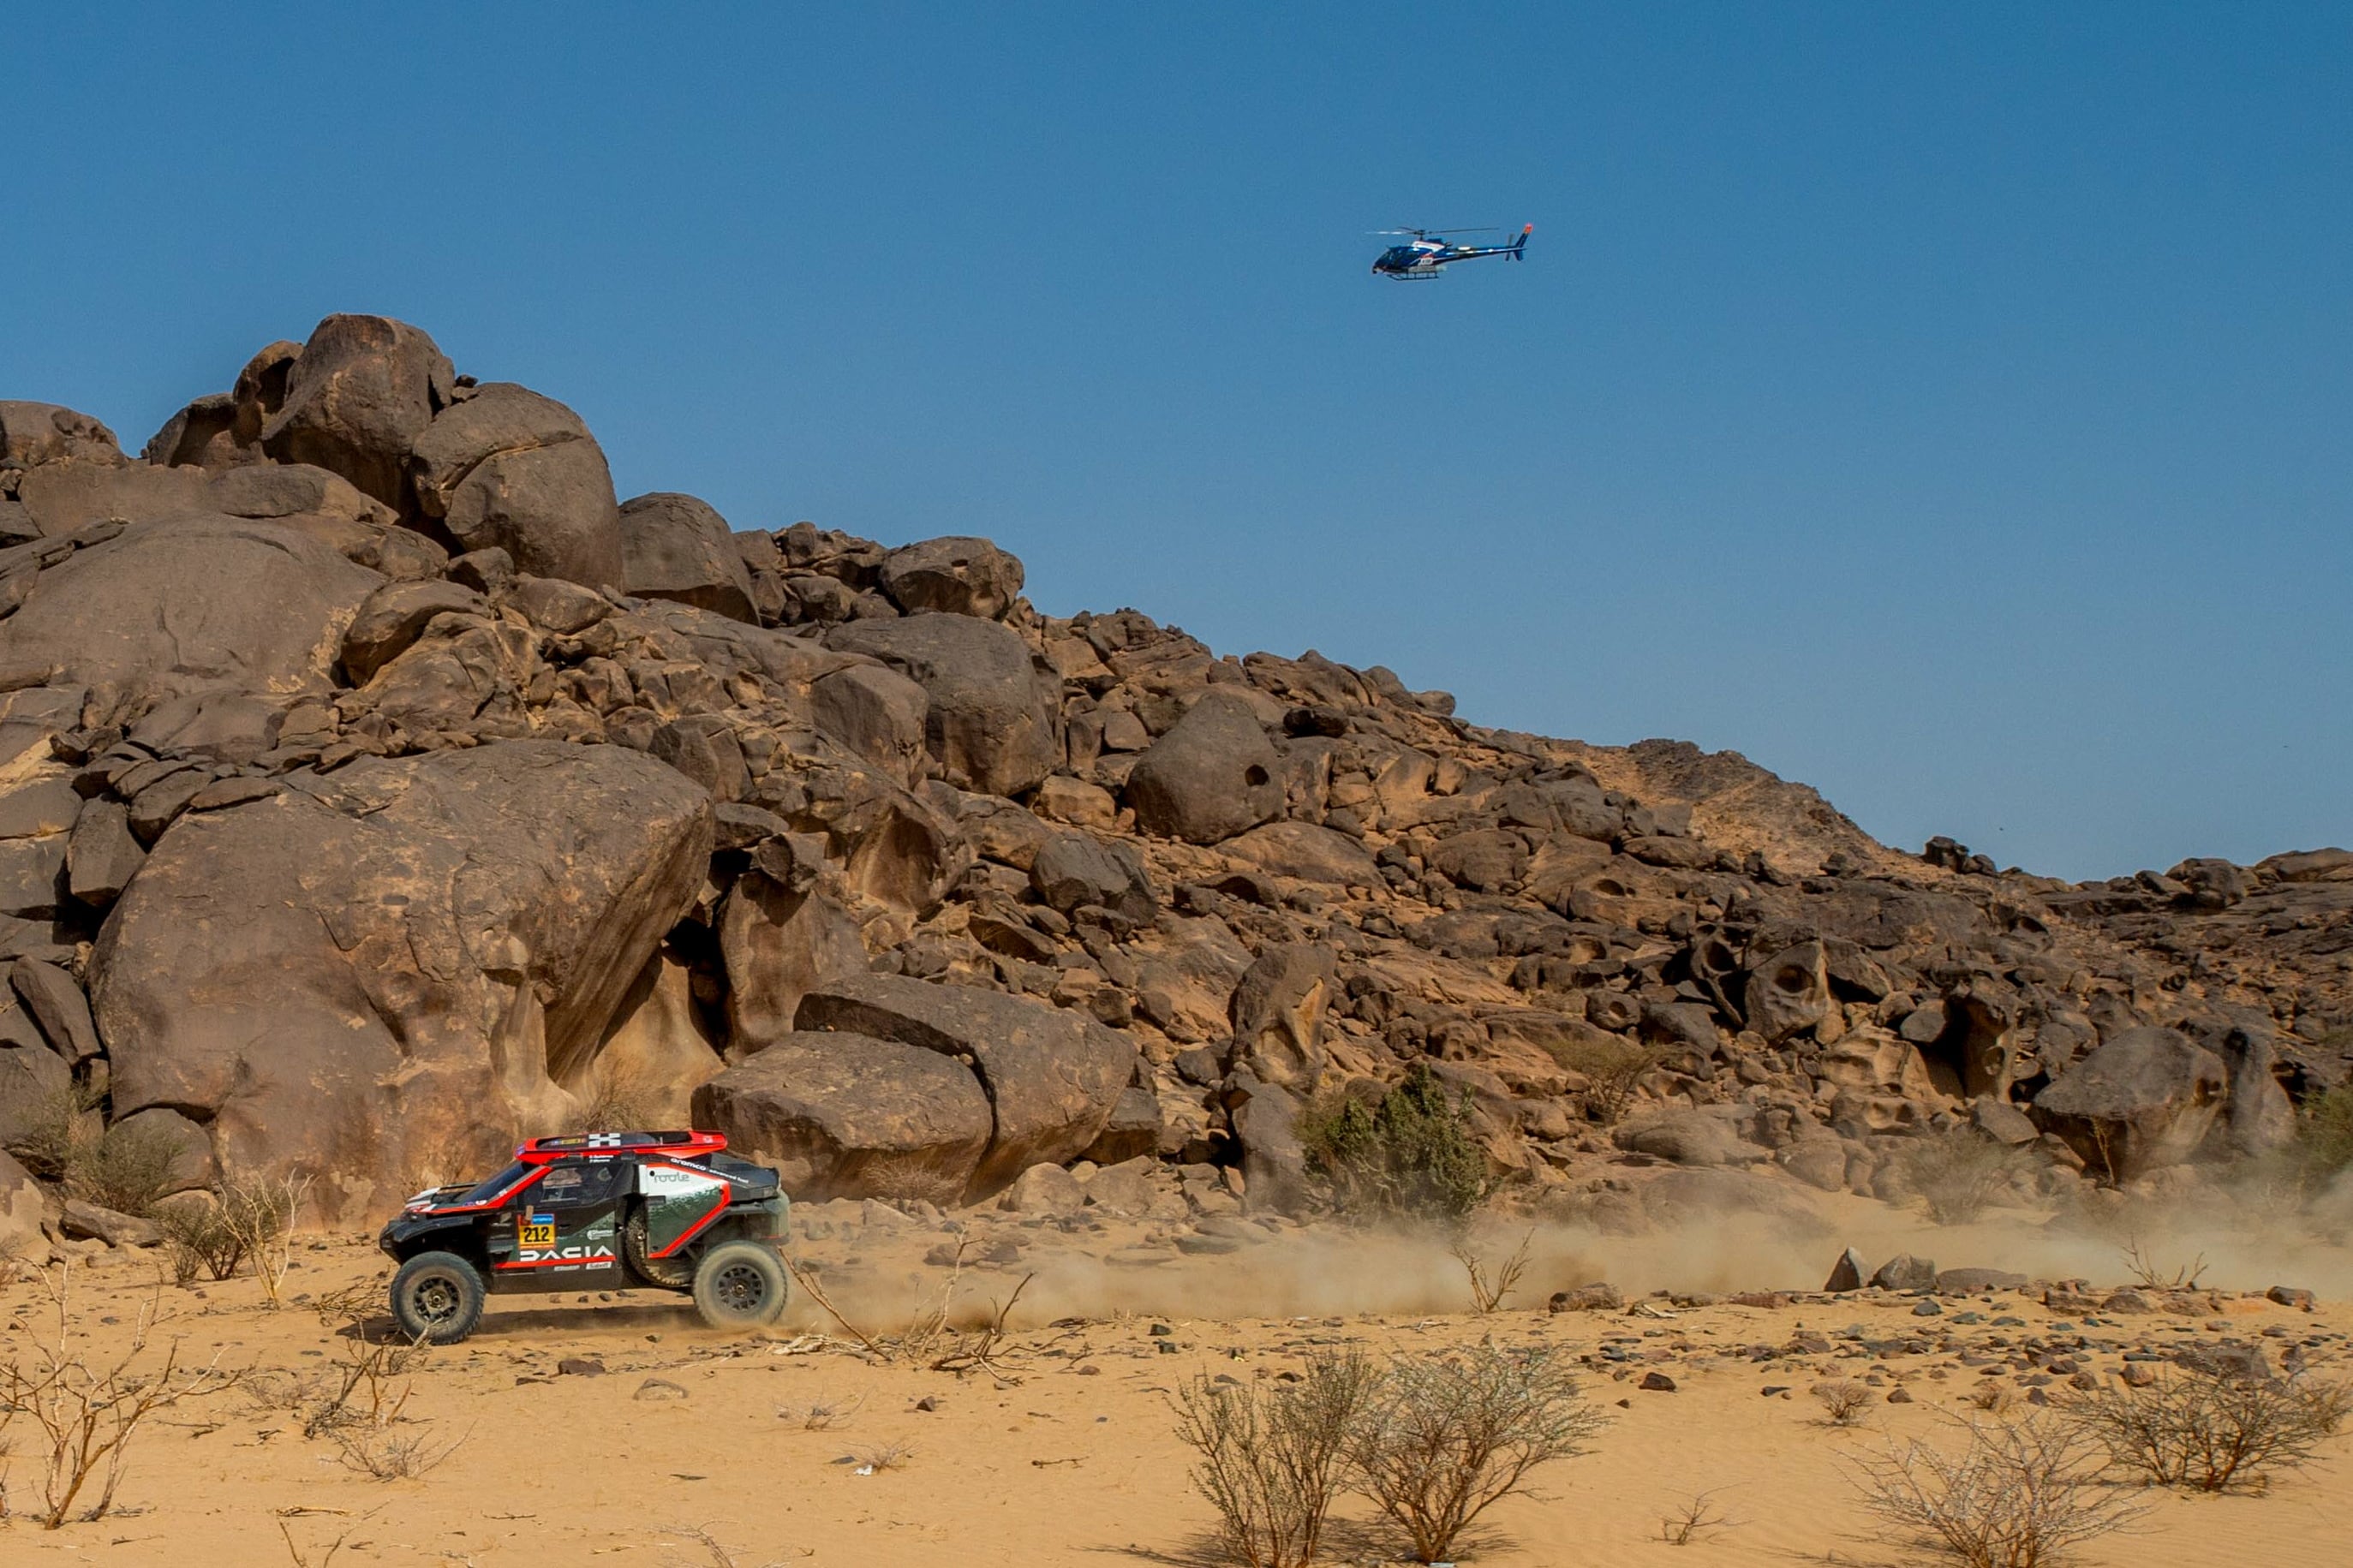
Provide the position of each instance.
(674, 1273)
(740, 1285)
(437, 1297)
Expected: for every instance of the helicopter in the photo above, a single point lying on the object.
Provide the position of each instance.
(1428, 250)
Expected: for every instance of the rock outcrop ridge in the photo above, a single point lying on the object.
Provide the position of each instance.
(378, 788)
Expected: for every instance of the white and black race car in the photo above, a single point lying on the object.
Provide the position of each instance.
(602, 1210)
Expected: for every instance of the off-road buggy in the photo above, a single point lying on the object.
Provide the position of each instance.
(605, 1210)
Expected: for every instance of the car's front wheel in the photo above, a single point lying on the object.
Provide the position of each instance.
(740, 1285)
(437, 1297)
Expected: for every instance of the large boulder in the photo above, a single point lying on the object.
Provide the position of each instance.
(510, 469)
(778, 941)
(32, 434)
(186, 604)
(392, 972)
(357, 399)
(1307, 852)
(954, 575)
(676, 547)
(845, 1115)
(389, 619)
(64, 498)
(875, 713)
(1075, 870)
(656, 1052)
(2262, 1117)
(1052, 1075)
(1277, 1011)
(994, 724)
(2143, 1100)
(1214, 775)
(1789, 993)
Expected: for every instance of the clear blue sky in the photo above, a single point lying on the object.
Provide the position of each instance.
(1951, 407)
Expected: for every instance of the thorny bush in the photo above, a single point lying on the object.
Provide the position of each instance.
(2211, 1428)
(1273, 1459)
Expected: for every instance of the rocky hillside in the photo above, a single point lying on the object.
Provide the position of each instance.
(376, 788)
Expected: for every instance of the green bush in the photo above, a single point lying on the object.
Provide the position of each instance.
(1411, 1154)
(54, 1137)
(2324, 1133)
(127, 1168)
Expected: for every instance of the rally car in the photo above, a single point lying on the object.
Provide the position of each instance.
(604, 1210)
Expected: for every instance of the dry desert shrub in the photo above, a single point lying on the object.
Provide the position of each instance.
(1691, 1520)
(1843, 1401)
(1272, 1459)
(201, 1241)
(707, 1551)
(125, 1167)
(260, 1215)
(1489, 1287)
(1958, 1172)
(1612, 1069)
(618, 1102)
(1993, 1396)
(2150, 1274)
(84, 1413)
(2209, 1430)
(358, 1403)
(1445, 1437)
(2009, 1494)
(389, 1454)
(904, 1178)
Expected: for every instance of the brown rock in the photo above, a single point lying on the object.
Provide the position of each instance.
(510, 469)
(841, 1114)
(56, 1004)
(445, 939)
(678, 547)
(362, 392)
(22, 1206)
(993, 721)
(195, 603)
(1276, 1012)
(1052, 1075)
(955, 575)
(779, 943)
(875, 713)
(1212, 776)
(392, 618)
(1595, 1298)
(32, 434)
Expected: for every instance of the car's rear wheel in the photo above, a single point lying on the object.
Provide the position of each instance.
(437, 1297)
(674, 1273)
(740, 1285)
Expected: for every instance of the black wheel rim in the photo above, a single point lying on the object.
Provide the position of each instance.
(435, 1300)
(739, 1288)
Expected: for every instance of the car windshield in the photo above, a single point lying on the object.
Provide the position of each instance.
(484, 1192)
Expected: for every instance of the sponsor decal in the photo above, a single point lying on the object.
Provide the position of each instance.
(534, 1229)
(563, 1257)
(669, 1182)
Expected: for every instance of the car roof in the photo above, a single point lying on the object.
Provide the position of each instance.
(681, 1144)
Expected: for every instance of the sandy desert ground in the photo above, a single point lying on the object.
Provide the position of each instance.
(595, 1432)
